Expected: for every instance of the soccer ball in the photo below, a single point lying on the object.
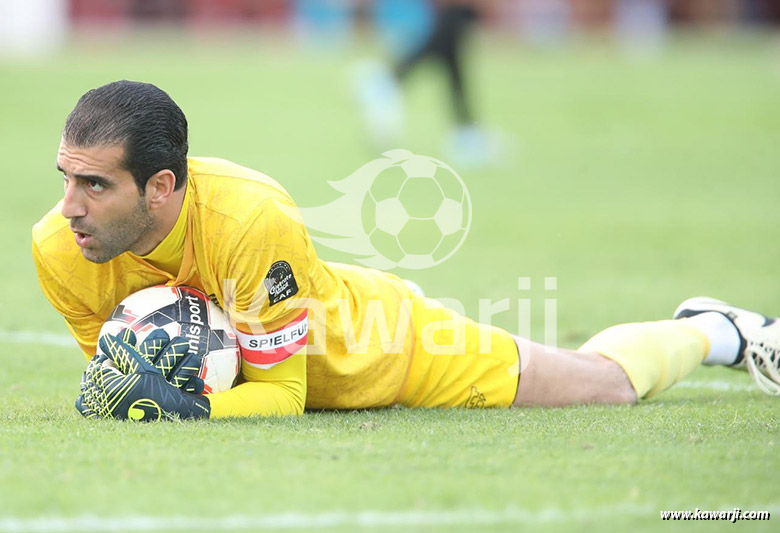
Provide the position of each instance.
(185, 312)
(416, 212)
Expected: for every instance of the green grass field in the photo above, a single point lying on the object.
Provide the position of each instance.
(636, 183)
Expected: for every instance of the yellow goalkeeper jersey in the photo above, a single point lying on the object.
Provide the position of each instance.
(312, 334)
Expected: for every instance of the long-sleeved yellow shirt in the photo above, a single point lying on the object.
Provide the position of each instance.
(247, 248)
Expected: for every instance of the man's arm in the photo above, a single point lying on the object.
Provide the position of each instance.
(268, 266)
(81, 321)
(278, 391)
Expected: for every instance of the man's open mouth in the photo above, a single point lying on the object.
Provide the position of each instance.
(82, 239)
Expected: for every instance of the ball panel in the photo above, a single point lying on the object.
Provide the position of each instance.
(448, 245)
(419, 237)
(386, 244)
(449, 217)
(388, 183)
(421, 197)
(219, 370)
(186, 312)
(368, 214)
(451, 186)
(391, 216)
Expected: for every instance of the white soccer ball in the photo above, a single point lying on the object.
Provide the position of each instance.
(185, 312)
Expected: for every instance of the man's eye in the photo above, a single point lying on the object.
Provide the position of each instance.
(94, 186)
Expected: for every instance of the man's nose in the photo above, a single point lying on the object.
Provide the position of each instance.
(73, 203)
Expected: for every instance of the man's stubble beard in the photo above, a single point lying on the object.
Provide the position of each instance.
(122, 235)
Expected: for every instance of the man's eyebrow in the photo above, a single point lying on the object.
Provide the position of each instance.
(89, 177)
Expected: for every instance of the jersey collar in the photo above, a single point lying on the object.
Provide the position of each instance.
(168, 256)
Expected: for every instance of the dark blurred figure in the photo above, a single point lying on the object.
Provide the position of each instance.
(452, 21)
(761, 11)
(424, 31)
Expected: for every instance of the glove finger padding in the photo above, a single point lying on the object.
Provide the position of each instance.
(85, 400)
(123, 354)
(84, 406)
(127, 335)
(171, 357)
(153, 345)
(179, 366)
(104, 379)
(195, 385)
(96, 361)
(91, 401)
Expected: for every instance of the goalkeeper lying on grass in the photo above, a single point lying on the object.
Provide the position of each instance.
(137, 212)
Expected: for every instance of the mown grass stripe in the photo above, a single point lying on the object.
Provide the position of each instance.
(338, 519)
(37, 337)
(294, 520)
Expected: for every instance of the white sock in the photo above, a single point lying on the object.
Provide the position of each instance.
(723, 337)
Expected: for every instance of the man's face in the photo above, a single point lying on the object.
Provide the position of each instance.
(107, 214)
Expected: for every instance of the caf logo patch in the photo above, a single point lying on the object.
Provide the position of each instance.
(280, 282)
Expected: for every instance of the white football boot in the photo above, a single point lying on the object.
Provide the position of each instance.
(759, 348)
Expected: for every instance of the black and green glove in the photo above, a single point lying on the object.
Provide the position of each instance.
(144, 383)
(171, 356)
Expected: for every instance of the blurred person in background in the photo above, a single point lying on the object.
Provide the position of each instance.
(418, 31)
(323, 24)
(641, 25)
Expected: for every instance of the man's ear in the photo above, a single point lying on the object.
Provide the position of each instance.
(159, 188)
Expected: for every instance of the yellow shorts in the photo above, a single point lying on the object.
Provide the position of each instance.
(457, 362)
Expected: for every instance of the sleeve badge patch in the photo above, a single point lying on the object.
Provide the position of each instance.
(280, 282)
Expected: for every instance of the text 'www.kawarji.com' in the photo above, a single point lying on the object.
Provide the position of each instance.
(731, 516)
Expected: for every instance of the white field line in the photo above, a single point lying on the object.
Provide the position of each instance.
(341, 519)
(716, 385)
(37, 337)
(330, 520)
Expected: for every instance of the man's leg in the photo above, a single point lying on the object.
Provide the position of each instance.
(555, 377)
(631, 361)
(618, 365)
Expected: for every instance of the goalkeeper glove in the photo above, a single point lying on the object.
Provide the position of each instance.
(171, 356)
(123, 383)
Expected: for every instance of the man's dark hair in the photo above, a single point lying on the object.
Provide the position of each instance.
(138, 116)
